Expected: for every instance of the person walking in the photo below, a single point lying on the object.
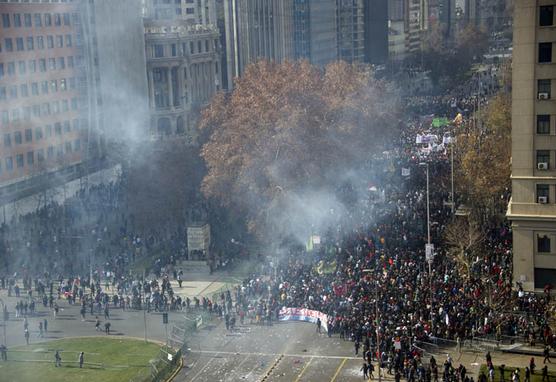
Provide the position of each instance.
(58, 359)
(4, 352)
(527, 375)
(81, 356)
(319, 324)
(546, 354)
(545, 374)
(365, 370)
(26, 334)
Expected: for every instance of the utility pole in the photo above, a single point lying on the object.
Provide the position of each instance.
(452, 162)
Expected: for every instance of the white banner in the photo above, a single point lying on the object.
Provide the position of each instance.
(302, 314)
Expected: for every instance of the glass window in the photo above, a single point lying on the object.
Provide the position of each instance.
(40, 155)
(48, 131)
(47, 19)
(28, 135)
(52, 63)
(57, 19)
(77, 145)
(17, 138)
(7, 140)
(546, 16)
(19, 44)
(61, 63)
(1, 70)
(66, 19)
(158, 50)
(68, 147)
(35, 89)
(38, 20)
(32, 66)
(8, 44)
(24, 90)
(11, 68)
(50, 151)
(3, 93)
(19, 160)
(22, 67)
(543, 156)
(50, 42)
(40, 42)
(9, 163)
(60, 41)
(544, 88)
(543, 124)
(545, 52)
(30, 158)
(70, 61)
(17, 20)
(5, 20)
(42, 65)
(30, 43)
(27, 20)
(543, 192)
(68, 40)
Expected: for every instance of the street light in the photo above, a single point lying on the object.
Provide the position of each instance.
(426, 164)
(428, 247)
(5, 319)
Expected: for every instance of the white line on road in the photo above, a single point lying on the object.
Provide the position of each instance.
(274, 354)
(204, 367)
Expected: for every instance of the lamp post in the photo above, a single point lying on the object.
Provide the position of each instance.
(426, 164)
(5, 319)
(429, 247)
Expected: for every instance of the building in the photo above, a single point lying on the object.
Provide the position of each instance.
(183, 56)
(416, 23)
(532, 208)
(43, 112)
(376, 31)
(396, 29)
(351, 30)
(65, 84)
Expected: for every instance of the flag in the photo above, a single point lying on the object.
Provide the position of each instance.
(309, 246)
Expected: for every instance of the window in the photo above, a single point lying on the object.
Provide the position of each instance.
(1, 70)
(542, 192)
(7, 140)
(38, 20)
(75, 124)
(72, 83)
(57, 19)
(51, 63)
(5, 20)
(190, 11)
(9, 163)
(27, 20)
(191, 47)
(50, 42)
(24, 90)
(28, 135)
(58, 128)
(207, 49)
(174, 50)
(17, 20)
(8, 44)
(68, 147)
(36, 111)
(545, 52)
(543, 156)
(543, 244)
(48, 131)
(5, 118)
(74, 104)
(543, 88)
(65, 105)
(44, 87)
(38, 133)
(47, 19)
(77, 145)
(19, 160)
(40, 155)
(543, 124)
(546, 16)
(17, 137)
(60, 150)
(50, 151)
(42, 65)
(40, 42)
(22, 67)
(60, 41)
(13, 92)
(3, 93)
(68, 40)
(53, 86)
(32, 66)
(67, 126)
(61, 63)
(11, 68)
(30, 43)
(63, 86)
(19, 44)
(158, 50)
(199, 47)
(66, 19)
(30, 158)
(70, 61)
(35, 89)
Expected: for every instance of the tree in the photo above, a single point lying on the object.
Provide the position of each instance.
(483, 154)
(288, 131)
(464, 240)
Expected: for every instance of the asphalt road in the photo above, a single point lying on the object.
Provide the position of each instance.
(287, 351)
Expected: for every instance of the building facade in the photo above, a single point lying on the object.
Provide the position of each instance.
(532, 208)
(43, 94)
(376, 31)
(351, 30)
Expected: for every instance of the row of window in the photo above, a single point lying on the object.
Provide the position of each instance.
(41, 65)
(171, 50)
(17, 137)
(546, 16)
(19, 160)
(39, 110)
(38, 20)
(25, 90)
(21, 44)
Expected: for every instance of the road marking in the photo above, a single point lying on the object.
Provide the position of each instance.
(237, 368)
(303, 370)
(204, 367)
(276, 354)
(271, 369)
(338, 370)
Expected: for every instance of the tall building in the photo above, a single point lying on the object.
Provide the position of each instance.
(532, 208)
(351, 30)
(65, 83)
(376, 31)
(183, 63)
(417, 22)
(396, 29)
(42, 97)
(314, 31)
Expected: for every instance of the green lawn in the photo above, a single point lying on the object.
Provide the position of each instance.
(106, 360)
(508, 370)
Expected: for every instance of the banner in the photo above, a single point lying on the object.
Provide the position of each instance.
(301, 314)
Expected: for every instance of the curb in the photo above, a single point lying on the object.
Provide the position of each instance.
(175, 373)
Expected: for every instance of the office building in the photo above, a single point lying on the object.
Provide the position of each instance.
(376, 31)
(532, 208)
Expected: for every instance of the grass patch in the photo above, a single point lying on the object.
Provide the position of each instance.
(106, 359)
(508, 370)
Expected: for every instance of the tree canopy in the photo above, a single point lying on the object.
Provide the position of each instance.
(289, 130)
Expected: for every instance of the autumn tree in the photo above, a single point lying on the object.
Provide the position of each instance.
(464, 239)
(483, 154)
(288, 129)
